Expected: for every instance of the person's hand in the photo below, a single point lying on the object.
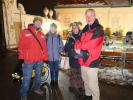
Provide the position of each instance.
(77, 51)
(62, 53)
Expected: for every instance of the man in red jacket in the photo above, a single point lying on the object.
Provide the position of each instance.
(33, 55)
(89, 48)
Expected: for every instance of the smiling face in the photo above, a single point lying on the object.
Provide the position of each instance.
(90, 16)
(53, 30)
(75, 29)
(37, 24)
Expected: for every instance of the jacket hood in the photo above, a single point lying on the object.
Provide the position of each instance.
(32, 28)
(96, 23)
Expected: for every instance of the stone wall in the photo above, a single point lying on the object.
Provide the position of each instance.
(16, 19)
(9, 8)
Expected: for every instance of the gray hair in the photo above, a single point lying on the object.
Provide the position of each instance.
(91, 10)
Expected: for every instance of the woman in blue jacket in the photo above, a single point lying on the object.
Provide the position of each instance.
(55, 47)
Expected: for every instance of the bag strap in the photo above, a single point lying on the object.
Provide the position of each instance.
(47, 38)
(73, 37)
(36, 39)
(59, 39)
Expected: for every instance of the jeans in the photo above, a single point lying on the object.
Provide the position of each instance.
(54, 70)
(27, 74)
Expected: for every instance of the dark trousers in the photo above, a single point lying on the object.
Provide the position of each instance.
(76, 80)
(54, 70)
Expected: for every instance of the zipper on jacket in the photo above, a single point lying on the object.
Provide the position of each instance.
(52, 49)
(27, 54)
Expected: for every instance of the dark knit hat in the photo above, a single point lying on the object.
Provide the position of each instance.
(53, 25)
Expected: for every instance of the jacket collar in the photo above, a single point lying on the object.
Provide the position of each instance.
(89, 27)
(56, 34)
(32, 28)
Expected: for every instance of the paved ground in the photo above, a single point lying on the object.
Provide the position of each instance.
(10, 91)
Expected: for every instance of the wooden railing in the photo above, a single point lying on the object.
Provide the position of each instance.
(119, 59)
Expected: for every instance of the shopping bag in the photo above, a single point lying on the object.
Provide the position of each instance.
(64, 63)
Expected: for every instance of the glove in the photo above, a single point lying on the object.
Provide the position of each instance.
(45, 61)
(21, 61)
(85, 55)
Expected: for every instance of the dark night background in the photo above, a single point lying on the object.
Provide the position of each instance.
(35, 7)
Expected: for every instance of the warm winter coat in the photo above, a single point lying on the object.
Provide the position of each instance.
(69, 48)
(29, 49)
(90, 44)
(54, 45)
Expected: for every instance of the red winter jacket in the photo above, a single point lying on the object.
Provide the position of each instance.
(91, 40)
(29, 49)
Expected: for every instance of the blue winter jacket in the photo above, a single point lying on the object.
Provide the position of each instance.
(55, 46)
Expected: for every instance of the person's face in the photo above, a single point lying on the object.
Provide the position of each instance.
(75, 30)
(90, 17)
(53, 29)
(37, 24)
